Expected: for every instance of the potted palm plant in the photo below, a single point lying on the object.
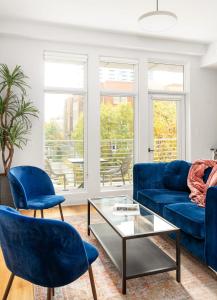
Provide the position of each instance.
(16, 112)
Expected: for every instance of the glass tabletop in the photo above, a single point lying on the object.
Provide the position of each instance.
(142, 222)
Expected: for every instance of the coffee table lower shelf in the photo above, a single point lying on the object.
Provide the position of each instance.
(133, 257)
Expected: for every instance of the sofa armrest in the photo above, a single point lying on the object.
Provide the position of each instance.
(147, 176)
(211, 228)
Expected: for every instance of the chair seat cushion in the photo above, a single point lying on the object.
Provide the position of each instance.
(156, 199)
(43, 202)
(189, 217)
(91, 251)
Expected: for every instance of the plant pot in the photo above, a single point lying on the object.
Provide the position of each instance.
(5, 191)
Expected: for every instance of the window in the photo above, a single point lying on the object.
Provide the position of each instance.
(64, 75)
(117, 76)
(165, 83)
(118, 86)
(124, 134)
(65, 103)
(165, 77)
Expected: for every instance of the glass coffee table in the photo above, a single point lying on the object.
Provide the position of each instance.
(125, 238)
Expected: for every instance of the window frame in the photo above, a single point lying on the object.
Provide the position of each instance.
(171, 64)
(141, 111)
(65, 57)
(180, 96)
(180, 121)
(117, 93)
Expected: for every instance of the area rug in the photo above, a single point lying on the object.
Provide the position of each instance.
(197, 281)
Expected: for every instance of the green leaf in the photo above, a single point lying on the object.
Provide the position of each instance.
(16, 78)
(16, 110)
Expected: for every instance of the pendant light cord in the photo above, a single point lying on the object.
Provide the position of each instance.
(157, 5)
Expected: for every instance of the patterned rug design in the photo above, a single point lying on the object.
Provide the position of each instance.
(197, 281)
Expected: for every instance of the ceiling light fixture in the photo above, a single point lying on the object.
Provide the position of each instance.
(158, 20)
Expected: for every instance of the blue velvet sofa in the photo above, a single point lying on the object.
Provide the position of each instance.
(162, 187)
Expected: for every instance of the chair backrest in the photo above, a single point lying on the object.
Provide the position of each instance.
(45, 252)
(125, 165)
(28, 182)
(48, 167)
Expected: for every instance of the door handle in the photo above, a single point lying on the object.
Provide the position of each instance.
(150, 150)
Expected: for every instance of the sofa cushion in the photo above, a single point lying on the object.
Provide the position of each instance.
(176, 174)
(189, 217)
(206, 174)
(155, 199)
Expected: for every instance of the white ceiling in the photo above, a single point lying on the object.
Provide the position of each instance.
(197, 19)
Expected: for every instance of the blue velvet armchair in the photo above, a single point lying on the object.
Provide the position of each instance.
(32, 188)
(48, 253)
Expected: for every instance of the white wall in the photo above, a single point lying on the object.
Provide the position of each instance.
(69, 34)
(29, 55)
(209, 59)
(201, 99)
(203, 110)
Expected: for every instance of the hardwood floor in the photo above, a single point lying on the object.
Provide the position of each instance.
(21, 289)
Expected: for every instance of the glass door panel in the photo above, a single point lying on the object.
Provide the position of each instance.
(64, 140)
(165, 141)
(117, 138)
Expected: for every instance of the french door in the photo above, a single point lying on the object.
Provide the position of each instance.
(167, 131)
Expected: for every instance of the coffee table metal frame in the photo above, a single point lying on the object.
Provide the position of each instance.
(177, 263)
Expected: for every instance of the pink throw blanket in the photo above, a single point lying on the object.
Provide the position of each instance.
(196, 184)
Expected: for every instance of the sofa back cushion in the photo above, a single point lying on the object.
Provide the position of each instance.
(176, 174)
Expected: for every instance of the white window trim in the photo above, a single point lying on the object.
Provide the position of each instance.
(119, 60)
(172, 93)
(117, 93)
(64, 56)
(53, 90)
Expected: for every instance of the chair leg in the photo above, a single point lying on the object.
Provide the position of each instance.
(53, 292)
(49, 293)
(42, 214)
(129, 177)
(61, 212)
(122, 175)
(10, 281)
(34, 213)
(92, 283)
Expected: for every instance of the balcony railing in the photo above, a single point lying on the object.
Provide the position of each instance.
(64, 160)
(165, 150)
